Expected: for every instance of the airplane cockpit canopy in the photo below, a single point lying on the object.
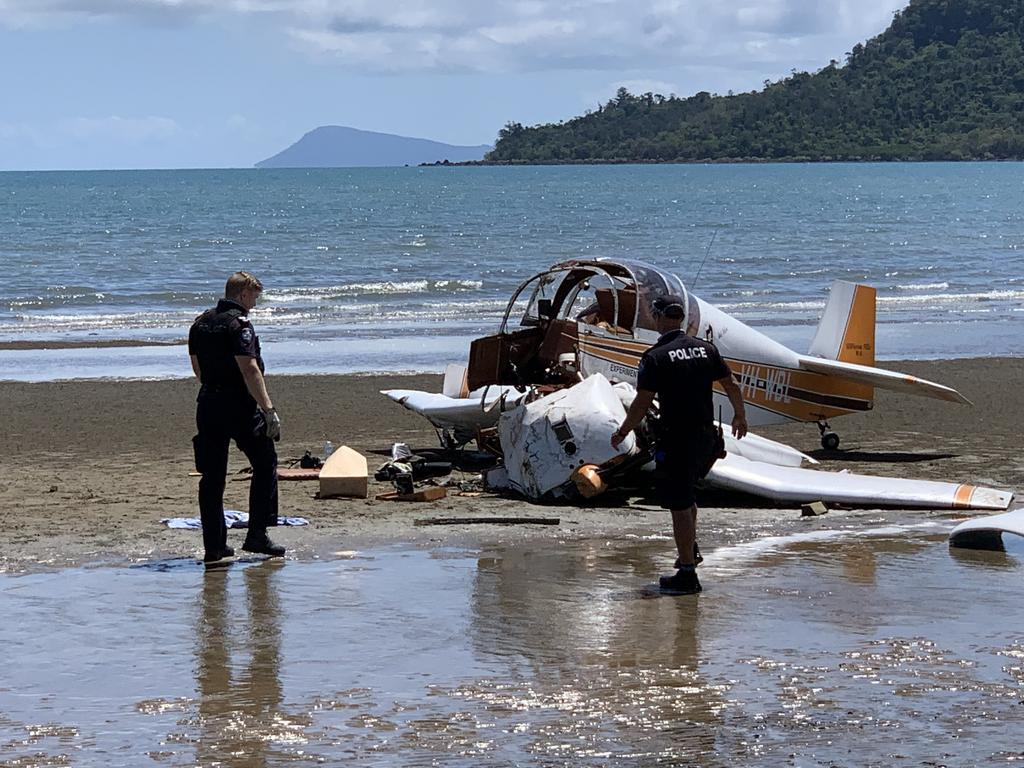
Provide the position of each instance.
(567, 301)
(615, 293)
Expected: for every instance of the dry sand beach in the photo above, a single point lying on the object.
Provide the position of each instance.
(90, 467)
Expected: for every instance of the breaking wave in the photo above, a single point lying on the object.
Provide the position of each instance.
(951, 298)
(923, 287)
(886, 303)
(353, 312)
(375, 288)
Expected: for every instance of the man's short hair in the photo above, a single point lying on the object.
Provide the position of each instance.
(238, 282)
(669, 305)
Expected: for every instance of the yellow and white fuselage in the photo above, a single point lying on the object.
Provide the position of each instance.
(597, 314)
(778, 384)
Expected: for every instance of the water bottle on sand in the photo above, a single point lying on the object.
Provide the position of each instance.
(328, 449)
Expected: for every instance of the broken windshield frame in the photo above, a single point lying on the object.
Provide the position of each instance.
(549, 287)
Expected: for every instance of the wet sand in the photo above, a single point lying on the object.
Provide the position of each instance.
(810, 650)
(91, 466)
(831, 641)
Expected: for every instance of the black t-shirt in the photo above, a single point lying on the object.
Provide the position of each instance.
(681, 370)
(216, 338)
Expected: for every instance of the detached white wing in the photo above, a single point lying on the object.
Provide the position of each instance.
(987, 532)
(463, 415)
(806, 485)
(879, 377)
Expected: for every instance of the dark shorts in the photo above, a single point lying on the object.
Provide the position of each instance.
(679, 470)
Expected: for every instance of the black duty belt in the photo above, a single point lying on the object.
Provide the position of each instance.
(222, 389)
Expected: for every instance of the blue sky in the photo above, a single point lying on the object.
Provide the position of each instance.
(226, 83)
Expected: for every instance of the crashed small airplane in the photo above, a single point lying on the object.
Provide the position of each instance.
(591, 320)
(595, 316)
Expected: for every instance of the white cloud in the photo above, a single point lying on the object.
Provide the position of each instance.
(592, 98)
(125, 129)
(238, 123)
(115, 128)
(523, 35)
(526, 33)
(90, 142)
(18, 13)
(84, 131)
(12, 131)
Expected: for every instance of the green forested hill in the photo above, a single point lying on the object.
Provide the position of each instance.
(945, 81)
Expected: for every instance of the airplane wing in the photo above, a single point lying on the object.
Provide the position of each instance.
(879, 377)
(794, 484)
(462, 414)
(987, 532)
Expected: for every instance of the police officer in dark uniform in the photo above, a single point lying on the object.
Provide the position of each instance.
(680, 370)
(233, 404)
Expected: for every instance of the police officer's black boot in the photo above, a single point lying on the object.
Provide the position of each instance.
(261, 544)
(685, 582)
(221, 554)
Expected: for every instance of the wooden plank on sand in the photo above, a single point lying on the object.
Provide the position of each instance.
(490, 520)
(427, 494)
(298, 473)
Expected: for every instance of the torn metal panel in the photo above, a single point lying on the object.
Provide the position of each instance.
(545, 441)
(459, 417)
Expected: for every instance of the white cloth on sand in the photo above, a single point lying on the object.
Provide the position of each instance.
(232, 519)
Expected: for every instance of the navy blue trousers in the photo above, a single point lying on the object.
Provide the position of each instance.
(220, 418)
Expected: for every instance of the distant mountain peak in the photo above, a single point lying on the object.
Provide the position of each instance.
(338, 146)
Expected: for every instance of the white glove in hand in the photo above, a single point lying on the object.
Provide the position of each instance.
(273, 424)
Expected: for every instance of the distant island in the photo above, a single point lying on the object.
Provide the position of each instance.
(944, 82)
(335, 146)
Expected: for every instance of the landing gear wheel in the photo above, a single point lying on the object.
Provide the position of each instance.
(829, 441)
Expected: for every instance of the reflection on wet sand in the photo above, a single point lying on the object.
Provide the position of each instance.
(807, 646)
(874, 644)
(238, 670)
(605, 673)
(860, 565)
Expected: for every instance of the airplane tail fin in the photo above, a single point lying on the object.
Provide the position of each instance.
(844, 349)
(847, 329)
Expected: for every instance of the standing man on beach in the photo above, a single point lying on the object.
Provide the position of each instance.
(680, 370)
(233, 404)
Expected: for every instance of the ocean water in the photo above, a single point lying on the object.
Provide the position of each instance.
(397, 269)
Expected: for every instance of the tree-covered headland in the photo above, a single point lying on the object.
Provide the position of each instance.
(944, 82)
